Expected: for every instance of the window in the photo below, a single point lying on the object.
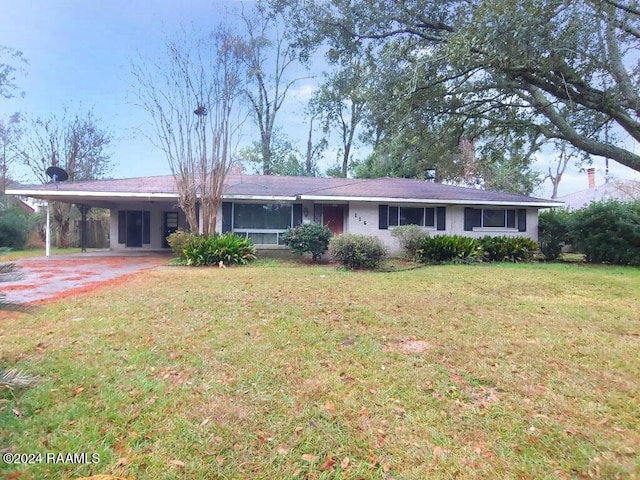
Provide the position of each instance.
(424, 217)
(262, 223)
(256, 216)
(495, 218)
(498, 218)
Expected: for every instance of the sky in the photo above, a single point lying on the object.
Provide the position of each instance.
(80, 53)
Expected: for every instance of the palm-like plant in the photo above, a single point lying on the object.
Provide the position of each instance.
(13, 378)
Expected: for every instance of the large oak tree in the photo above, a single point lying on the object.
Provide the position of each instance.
(557, 70)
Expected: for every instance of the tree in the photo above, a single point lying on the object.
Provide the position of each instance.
(10, 132)
(9, 57)
(78, 144)
(285, 158)
(269, 57)
(191, 98)
(567, 70)
(559, 164)
(340, 102)
(313, 151)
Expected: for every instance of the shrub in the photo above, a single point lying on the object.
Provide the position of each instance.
(13, 230)
(227, 248)
(450, 248)
(179, 240)
(357, 251)
(608, 232)
(553, 232)
(508, 249)
(310, 238)
(410, 238)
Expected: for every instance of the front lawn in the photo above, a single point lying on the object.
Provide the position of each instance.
(283, 371)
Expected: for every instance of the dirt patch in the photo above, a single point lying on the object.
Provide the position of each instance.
(410, 345)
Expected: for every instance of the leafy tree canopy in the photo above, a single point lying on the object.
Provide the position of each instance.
(542, 70)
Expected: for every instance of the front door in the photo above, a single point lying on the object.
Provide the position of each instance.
(134, 229)
(170, 225)
(333, 217)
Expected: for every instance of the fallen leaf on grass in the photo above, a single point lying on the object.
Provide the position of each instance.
(438, 453)
(177, 463)
(78, 390)
(17, 412)
(328, 464)
(307, 457)
(330, 406)
(345, 463)
(13, 475)
(122, 462)
(282, 451)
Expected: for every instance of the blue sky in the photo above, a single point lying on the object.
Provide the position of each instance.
(80, 53)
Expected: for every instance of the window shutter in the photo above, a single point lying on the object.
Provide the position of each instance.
(469, 216)
(383, 217)
(122, 226)
(227, 217)
(297, 214)
(146, 227)
(522, 219)
(393, 220)
(441, 213)
(472, 218)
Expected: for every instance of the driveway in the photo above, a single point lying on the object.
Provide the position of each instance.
(40, 278)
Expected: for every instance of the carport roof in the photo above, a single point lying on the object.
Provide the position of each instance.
(279, 188)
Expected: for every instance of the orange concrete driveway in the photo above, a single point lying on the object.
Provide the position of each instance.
(40, 278)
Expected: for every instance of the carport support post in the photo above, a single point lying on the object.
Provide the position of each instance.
(47, 234)
(84, 209)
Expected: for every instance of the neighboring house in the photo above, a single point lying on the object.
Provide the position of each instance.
(622, 190)
(144, 210)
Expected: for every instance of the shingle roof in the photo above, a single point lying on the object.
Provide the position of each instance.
(283, 187)
(624, 191)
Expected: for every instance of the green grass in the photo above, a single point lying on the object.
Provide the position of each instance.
(14, 255)
(291, 371)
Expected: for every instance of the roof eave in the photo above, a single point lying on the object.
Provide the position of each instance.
(434, 201)
(270, 198)
(46, 194)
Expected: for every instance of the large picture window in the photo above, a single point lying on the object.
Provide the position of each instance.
(261, 216)
(262, 223)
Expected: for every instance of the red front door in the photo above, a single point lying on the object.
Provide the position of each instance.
(333, 217)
